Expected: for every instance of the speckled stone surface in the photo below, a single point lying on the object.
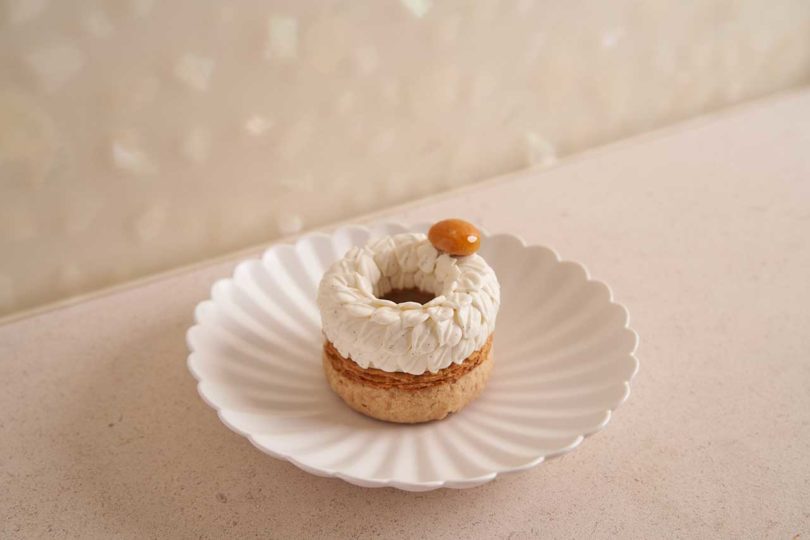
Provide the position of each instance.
(139, 135)
(701, 231)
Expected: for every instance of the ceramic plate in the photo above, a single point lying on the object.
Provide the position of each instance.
(563, 362)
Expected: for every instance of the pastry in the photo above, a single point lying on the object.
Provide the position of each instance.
(408, 322)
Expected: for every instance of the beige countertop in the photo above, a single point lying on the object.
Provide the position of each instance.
(703, 232)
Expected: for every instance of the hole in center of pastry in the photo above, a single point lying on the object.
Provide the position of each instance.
(400, 296)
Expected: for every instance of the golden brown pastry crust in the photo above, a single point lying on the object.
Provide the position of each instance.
(406, 398)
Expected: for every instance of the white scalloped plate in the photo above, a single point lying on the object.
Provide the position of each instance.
(563, 361)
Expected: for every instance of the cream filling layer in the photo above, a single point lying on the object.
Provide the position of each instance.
(408, 337)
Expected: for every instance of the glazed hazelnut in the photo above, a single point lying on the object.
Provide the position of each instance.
(455, 237)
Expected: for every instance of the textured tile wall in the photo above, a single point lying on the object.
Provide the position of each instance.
(140, 135)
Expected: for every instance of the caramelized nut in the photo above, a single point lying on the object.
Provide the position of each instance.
(455, 237)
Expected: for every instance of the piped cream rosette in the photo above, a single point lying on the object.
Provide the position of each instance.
(408, 337)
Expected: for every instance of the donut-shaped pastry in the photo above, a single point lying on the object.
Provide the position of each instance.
(408, 337)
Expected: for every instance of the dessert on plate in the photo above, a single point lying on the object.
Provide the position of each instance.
(408, 322)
